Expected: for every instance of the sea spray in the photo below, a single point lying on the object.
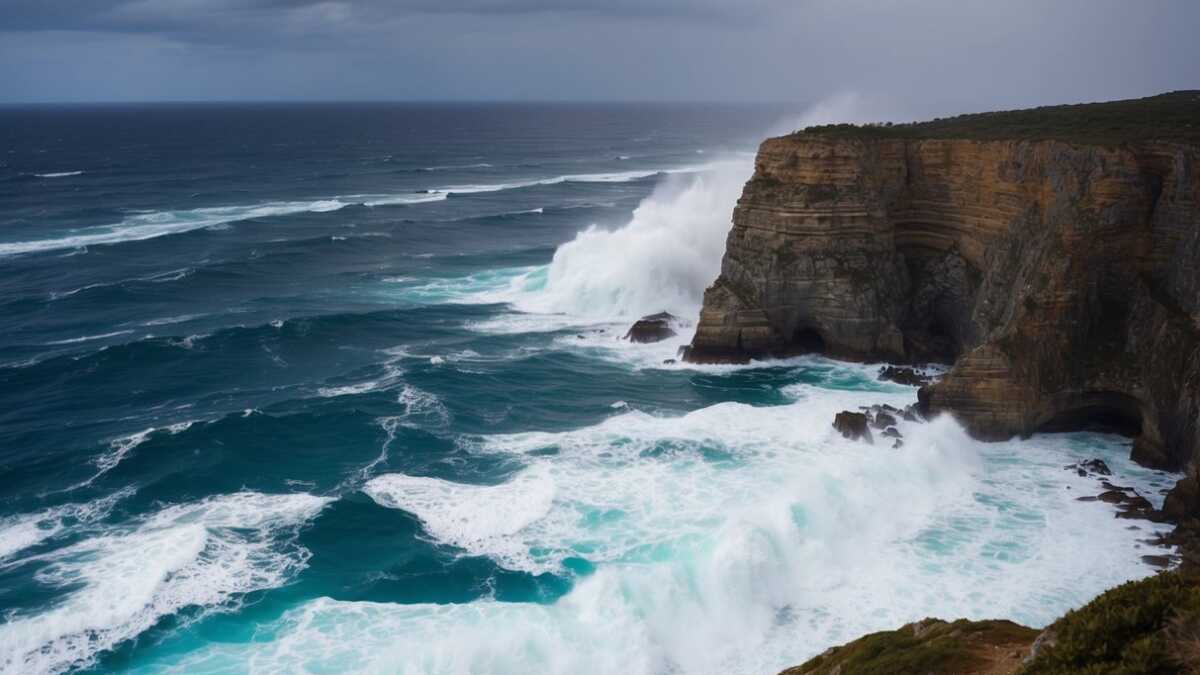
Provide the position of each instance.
(662, 259)
(671, 248)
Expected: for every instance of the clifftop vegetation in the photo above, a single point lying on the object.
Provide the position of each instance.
(1173, 116)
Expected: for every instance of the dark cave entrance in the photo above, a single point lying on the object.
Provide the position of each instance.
(807, 341)
(1107, 412)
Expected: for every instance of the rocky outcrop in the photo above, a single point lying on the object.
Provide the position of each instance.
(906, 376)
(652, 328)
(853, 426)
(1061, 278)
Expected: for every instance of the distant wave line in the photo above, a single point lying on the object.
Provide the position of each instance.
(155, 224)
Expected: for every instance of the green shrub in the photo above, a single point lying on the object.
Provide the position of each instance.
(1125, 631)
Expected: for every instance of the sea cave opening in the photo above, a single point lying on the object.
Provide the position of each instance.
(1107, 412)
(808, 341)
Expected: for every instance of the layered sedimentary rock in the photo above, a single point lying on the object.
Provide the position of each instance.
(1060, 277)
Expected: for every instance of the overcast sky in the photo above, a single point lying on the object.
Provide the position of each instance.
(923, 56)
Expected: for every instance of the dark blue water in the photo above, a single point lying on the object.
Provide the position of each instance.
(339, 387)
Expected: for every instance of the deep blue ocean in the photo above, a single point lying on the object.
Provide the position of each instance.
(340, 388)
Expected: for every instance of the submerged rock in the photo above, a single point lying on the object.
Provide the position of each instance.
(652, 328)
(906, 376)
(883, 420)
(1090, 467)
(853, 425)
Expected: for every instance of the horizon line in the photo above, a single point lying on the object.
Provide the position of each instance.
(382, 101)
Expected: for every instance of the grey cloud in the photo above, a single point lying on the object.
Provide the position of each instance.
(911, 57)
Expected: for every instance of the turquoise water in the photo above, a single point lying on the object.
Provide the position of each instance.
(281, 393)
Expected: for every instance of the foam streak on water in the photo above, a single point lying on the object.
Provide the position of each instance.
(733, 539)
(191, 555)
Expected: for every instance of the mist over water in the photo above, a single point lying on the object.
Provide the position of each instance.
(661, 260)
(356, 401)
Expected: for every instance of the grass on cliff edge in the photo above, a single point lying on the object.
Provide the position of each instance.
(1140, 627)
(1173, 116)
(1146, 627)
(929, 647)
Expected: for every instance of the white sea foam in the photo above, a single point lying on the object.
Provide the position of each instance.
(157, 278)
(667, 254)
(451, 167)
(200, 554)
(19, 532)
(119, 448)
(419, 403)
(479, 519)
(393, 200)
(733, 539)
(142, 226)
(168, 320)
(88, 338)
(661, 260)
(389, 379)
(59, 174)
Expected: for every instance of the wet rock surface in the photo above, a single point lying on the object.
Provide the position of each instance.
(652, 328)
(906, 376)
(1090, 467)
(853, 426)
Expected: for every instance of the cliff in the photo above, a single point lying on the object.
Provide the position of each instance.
(1052, 256)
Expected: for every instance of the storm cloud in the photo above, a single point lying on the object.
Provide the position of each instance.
(914, 57)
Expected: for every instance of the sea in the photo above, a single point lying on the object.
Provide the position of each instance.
(337, 388)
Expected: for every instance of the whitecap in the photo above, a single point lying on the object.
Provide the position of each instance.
(141, 226)
(59, 174)
(168, 320)
(389, 378)
(201, 554)
(475, 518)
(88, 338)
(119, 448)
(21, 531)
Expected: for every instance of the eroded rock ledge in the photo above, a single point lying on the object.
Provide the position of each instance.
(1060, 277)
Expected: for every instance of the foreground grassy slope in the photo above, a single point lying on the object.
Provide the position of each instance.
(1173, 116)
(1147, 627)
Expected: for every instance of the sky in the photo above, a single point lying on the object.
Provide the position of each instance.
(914, 56)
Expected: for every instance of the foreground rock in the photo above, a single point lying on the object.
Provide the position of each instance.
(652, 328)
(853, 426)
(1054, 259)
(1147, 626)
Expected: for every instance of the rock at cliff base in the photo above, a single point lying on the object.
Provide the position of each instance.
(853, 425)
(652, 328)
(883, 420)
(905, 376)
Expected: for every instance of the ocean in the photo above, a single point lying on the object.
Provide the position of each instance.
(341, 388)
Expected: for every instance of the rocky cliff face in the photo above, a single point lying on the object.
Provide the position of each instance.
(1062, 279)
